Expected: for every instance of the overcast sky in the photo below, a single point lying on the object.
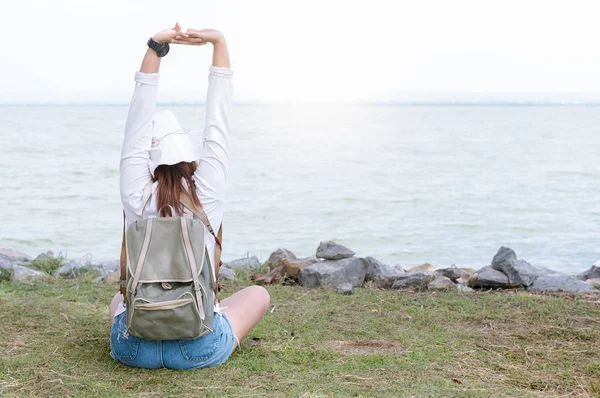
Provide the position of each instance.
(88, 51)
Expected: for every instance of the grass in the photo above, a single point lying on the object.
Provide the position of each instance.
(47, 265)
(317, 343)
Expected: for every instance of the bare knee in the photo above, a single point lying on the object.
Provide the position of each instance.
(261, 296)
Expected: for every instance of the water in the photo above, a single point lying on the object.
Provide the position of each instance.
(406, 185)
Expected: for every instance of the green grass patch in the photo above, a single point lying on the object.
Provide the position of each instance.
(48, 265)
(316, 343)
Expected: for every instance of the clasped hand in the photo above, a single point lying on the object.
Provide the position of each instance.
(191, 37)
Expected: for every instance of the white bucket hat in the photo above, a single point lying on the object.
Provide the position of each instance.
(170, 143)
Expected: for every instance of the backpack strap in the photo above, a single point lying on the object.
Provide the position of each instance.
(186, 200)
(123, 264)
(123, 260)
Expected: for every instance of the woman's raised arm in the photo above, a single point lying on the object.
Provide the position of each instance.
(134, 172)
(216, 38)
(211, 173)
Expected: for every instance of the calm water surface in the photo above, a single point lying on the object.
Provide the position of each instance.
(406, 185)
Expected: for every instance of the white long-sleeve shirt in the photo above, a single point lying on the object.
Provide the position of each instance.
(212, 166)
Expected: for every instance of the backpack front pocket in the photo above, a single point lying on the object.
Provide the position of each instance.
(167, 320)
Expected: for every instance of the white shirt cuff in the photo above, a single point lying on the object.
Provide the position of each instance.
(147, 78)
(221, 71)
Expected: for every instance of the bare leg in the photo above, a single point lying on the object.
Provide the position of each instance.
(118, 298)
(245, 308)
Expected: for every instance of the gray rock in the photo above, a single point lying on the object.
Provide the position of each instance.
(276, 258)
(345, 289)
(452, 272)
(375, 269)
(504, 254)
(245, 263)
(399, 268)
(76, 267)
(594, 282)
(386, 281)
(106, 267)
(441, 282)
(49, 255)
(519, 272)
(488, 277)
(26, 275)
(6, 262)
(330, 250)
(333, 273)
(556, 282)
(227, 273)
(592, 273)
(418, 279)
(15, 256)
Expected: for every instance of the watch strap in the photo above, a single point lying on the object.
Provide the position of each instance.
(161, 49)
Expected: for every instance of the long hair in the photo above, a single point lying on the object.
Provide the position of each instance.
(170, 185)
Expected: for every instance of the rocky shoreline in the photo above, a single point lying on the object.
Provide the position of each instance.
(333, 266)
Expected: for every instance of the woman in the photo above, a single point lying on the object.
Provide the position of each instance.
(158, 156)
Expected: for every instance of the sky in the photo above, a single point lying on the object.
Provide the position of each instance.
(84, 51)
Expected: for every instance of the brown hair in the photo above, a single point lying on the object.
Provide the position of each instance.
(170, 185)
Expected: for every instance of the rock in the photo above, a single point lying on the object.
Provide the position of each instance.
(594, 282)
(441, 282)
(106, 267)
(504, 254)
(272, 277)
(488, 277)
(15, 256)
(592, 273)
(399, 268)
(557, 282)
(76, 267)
(375, 269)
(345, 289)
(464, 289)
(114, 277)
(423, 267)
(293, 266)
(245, 263)
(465, 275)
(6, 262)
(333, 273)
(418, 279)
(452, 273)
(330, 250)
(384, 281)
(276, 258)
(519, 272)
(43, 257)
(226, 273)
(26, 275)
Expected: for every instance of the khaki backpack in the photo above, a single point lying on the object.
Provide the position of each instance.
(166, 276)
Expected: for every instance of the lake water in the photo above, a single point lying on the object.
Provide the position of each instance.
(406, 185)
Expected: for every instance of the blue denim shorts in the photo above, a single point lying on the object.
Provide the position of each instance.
(206, 351)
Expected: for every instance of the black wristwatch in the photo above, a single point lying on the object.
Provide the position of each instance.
(161, 49)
